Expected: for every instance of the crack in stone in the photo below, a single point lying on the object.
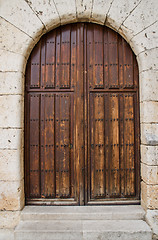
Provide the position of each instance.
(7, 50)
(17, 28)
(129, 14)
(108, 12)
(57, 11)
(146, 50)
(29, 4)
(144, 29)
(92, 9)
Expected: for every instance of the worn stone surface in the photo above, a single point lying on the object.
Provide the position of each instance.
(149, 174)
(119, 11)
(149, 195)
(11, 195)
(11, 165)
(17, 42)
(149, 134)
(10, 61)
(146, 62)
(11, 83)
(143, 16)
(100, 10)
(84, 9)
(94, 229)
(149, 112)
(11, 111)
(46, 11)
(21, 16)
(22, 23)
(146, 39)
(149, 155)
(6, 234)
(11, 138)
(127, 212)
(66, 10)
(152, 219)
(9, 219)
(148, 85)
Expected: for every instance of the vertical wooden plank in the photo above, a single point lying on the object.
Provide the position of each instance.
(64, 145)
(129, 144)
(47, 145)
(34, 145)
(122, 145)
(90, 41)
(128, 65)
(113, 58)
(79, 128)
(65, 57)
(50, 60)
(73, 56)
(114, 136)
(72, 172)
(121, 61)
(58, 59)
(106, 59)
(57, 144)
(98, 57)
(107, 144)
(99, 165)
(92, 146)
(35, 67)
(43, 63)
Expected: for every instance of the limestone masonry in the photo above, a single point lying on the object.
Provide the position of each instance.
(22, 23)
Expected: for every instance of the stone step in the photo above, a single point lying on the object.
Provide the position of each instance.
(83, 213)
(83, 230)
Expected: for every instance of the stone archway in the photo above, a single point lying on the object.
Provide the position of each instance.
(23, 24)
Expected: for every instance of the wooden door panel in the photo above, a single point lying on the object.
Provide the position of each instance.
(81, 118)
(34, 152)
(112, 148)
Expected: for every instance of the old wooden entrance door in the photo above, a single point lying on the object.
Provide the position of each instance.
(81, 118)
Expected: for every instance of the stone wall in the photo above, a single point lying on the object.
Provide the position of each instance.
(22, 23)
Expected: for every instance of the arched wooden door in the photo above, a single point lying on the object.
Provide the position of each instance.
(81, 118)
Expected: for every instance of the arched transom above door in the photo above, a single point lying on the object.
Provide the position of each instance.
(82, 118)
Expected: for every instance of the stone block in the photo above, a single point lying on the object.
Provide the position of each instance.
(9, 219)
(10, 61)
(11, 195)
(149, 174)
(46, 11)
(146, 39)
(119, 11)
(11, 83)
(149, 112)
(141, 17)
(66, 10)
(149, 195)
(11, 138)
(84, 9)
(149, 85)
(17, 42)
(12, 111)
(152, 220)
(147, 60)
(149, 155)
(22, 16)
(6, 234)
(149, 134)
(11, 165)
(100, 10)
